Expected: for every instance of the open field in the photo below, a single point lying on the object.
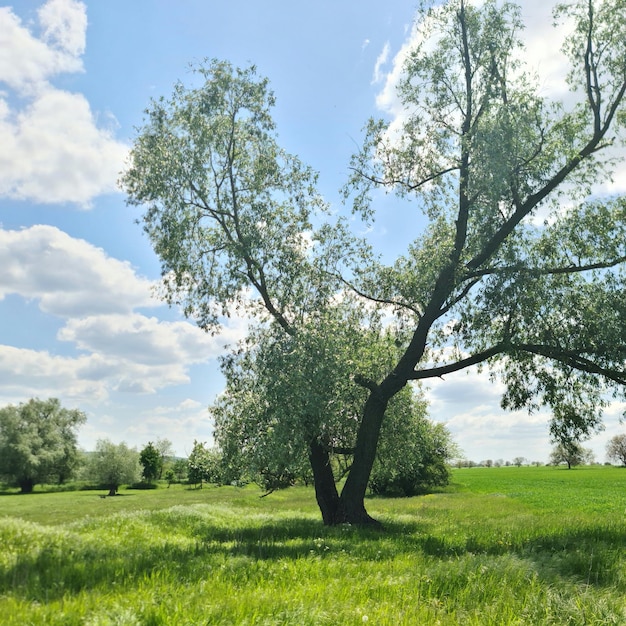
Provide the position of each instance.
(500, 546)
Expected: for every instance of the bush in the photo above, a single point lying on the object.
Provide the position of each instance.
(412, 456)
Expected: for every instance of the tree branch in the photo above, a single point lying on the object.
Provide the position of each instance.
(362, 294)
(572, 358)
(479, 357)
(403, 183)
(546, 271)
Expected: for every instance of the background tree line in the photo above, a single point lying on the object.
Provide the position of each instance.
(38, 445)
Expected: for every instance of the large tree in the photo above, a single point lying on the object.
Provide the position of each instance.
(38, 442)
(517, 268)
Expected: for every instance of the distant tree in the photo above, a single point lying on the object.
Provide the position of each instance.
(166, 451)
(568, 432)
(151, 461)
(204, 464)
(169, 477)
(616, 449)
(113, 465)
(518, 461)
(571, 454)
(180, 468)
(38, 442)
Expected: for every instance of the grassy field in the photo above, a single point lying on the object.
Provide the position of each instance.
(500, 546)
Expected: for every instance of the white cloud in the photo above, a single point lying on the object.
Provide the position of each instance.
(122, 350)
(53, 151)
(70, 277)
(30, 373)
(118, 350)
(64, 24)
(468, 402)
(382, 59)
(145, 340)
(27, 62)
(180, 423)
(130, 354)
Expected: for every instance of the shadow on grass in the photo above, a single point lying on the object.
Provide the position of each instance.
(183, 547)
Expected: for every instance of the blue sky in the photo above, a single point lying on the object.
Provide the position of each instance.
(77, 318)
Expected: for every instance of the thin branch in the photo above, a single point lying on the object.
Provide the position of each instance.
(403, 183)
(371, 298)
(545, 271)
(460, 297)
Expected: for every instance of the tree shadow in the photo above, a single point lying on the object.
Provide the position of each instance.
(74, 563)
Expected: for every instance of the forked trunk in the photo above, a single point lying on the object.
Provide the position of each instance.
(349, 508)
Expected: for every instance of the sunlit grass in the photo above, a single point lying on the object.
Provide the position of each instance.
(502, 546)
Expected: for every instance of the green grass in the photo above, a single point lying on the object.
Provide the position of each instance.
(500, 546)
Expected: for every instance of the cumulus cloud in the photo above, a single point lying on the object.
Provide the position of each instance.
(145, 340)
(53, 149)
(180, 423)
(115, 356)
(117, 349)
(28, 373)
(64, 24)
(469, 404)
(69, 277)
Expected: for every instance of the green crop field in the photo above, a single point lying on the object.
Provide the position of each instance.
(499, 546)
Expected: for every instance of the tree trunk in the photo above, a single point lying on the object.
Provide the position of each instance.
(324, 480)
(351, 509)
(113, 490)
(26, 485)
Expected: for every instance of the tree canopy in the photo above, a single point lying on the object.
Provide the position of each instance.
(616, 449)
(287, 395)
(151, 461)
(112, 465)
(519, 268)
(38, 442)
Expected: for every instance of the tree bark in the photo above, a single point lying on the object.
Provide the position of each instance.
(351, 509)
(324, 481)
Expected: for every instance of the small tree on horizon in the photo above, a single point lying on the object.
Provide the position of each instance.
(112, 465)
(572, 454)
(151, 461)
(616, 449)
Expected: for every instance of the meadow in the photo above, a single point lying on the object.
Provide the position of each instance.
(499, 546)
